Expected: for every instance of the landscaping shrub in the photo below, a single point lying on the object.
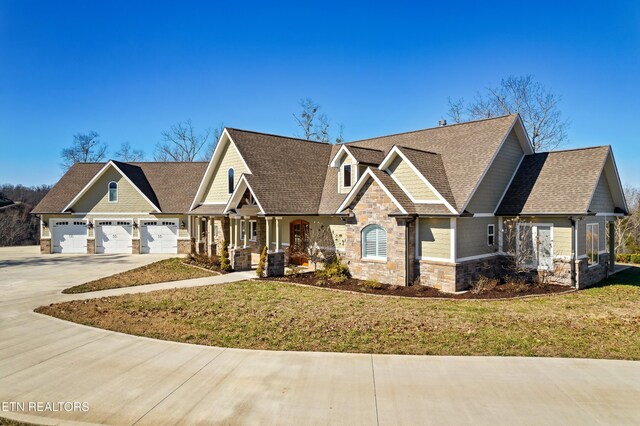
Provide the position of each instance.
(372, 284)
(517, 284)
(334, 270)
(225, 264)
(294, 270)
(261, 262)
(204, 261)
(628, 258)
(483, 285)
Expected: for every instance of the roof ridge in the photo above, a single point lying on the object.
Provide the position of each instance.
(367, 148)
(573, 149)
(279, 136)
(417, 150)
(431, 128)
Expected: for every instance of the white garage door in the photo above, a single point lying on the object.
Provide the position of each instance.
(114, 236)
(69, 236)
(159, 236)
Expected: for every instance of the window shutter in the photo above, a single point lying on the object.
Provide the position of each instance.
(374, 242)
(382, 243)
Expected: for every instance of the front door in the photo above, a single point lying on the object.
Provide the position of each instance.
(299, 236)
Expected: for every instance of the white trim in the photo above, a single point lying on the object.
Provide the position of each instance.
(215, 158)
(109, 192)
(253, 222)
(97, 176)
(478, 256)
(483, 215)
(592, 225)
(620, 188)
(491, 234)
(534, 233)
(513, 176)
(436, 259)
(408, 194)
(363, 243)
(231, 169)
(493, 158)
(120, 213)
(610, 214)
(219, 203)
(387, 161)
(334, 161)
(235, 193)
(453, 226)
(354, 191)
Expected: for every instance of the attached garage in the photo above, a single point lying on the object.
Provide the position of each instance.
(114, 236)
(69, 236)
(159, 236)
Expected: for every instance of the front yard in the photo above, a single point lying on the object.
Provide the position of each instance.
(602, 322)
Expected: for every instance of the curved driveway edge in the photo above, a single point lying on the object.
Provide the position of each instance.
(134, 380)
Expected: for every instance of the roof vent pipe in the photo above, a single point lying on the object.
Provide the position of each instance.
(442, 123)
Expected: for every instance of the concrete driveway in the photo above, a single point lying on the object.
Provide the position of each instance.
(133, 380)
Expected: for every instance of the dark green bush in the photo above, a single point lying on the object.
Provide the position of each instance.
(225, 263)
(628, 258)
(334, 270)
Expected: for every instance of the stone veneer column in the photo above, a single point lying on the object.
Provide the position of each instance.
(240, 258)
(274, 264)
(45, 246)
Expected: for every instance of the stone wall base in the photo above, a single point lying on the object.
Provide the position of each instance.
(274, 266)
(185, 247)
(240, 258)
(135, 246)
(45, 246)
(590, 275)
(91, 246)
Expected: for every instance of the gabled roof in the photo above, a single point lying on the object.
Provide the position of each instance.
(287, 174)
(555, 182)
(466, 149)
(171, 185)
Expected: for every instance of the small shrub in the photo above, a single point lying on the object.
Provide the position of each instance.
(339, 279)
(372, 284)
(333, 270)
(294, 270)
(483, 285)
(225, 263)
(635, 258)
(517, 284)
(261, 262)
(204, 261)
(322, 283)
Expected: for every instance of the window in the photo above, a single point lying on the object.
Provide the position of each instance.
(534, 246)
(243, 229)
(374, 243)
(113, 192)
(253, 230)
(346, 175)
(215, 230)
(491, 234)
(230, 174)
(593, 243)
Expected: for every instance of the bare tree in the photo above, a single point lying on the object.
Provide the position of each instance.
(536, 104)
(181, 143)
(216, 134)
(518, 245)
(318, 246)
(627, 229)
(86, 147)
(127, 153)
(315, 126)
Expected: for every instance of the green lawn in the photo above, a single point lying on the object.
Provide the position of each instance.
(602, 322)
(165, 270)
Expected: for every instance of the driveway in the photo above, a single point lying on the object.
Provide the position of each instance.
(134, 380)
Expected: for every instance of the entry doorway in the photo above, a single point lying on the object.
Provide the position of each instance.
(299, 239)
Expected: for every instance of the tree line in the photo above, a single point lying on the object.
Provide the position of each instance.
(17, 226)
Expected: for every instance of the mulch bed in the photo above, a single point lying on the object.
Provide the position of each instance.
(502, 291)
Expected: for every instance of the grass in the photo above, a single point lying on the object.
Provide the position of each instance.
(602, 322)
(165, 270)
(8, 422)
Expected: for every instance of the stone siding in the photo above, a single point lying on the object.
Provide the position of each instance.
(186, 246)
(135, 246)
(45, 246)
(591, 275)
(274, 266)
(240, 258)
(223, 224)
(372, 207)
(91, 246)
(441, 275)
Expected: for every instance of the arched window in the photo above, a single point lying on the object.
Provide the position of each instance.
(113, 192)
(231, 180)
(374, 243)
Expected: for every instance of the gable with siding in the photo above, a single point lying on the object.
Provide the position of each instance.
(96, 199)
(494, 184)
(218, 189)
(602, 201)
(410, 181)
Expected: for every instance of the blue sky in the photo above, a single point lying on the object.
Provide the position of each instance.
(129, 70)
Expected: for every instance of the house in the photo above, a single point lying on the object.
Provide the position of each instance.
(430, 206)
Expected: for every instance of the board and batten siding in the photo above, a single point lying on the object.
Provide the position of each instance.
(434, 238)
(346, 160)
(490, 190)
(218, 189)
(471, 235)
(602, 201)
(96, 199)
(401, 171)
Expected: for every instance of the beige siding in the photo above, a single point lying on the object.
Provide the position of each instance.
(561, 235)
(471, 235)
(411, 181)
(96, 199)
(434, 238)
(602, 201)
(344, 161)
(487, 196)
(217, 191)
(334, 224)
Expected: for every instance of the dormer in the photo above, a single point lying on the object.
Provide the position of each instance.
(351, 163)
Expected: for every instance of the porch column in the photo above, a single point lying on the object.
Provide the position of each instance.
(198, 229)
(612, 246)
(209, 234)
(238, 225)
(232, 231)
(247, 229)
(267, 222)
(278, 233)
